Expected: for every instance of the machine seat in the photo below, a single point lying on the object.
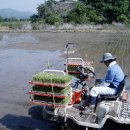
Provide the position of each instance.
(118, 93)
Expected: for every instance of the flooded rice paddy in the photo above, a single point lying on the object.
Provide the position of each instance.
(24, 54)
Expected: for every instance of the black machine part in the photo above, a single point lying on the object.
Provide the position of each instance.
(87, 73)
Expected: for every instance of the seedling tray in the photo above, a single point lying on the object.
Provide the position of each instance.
(49, 84)
(38, 93)
(51, 100)
(41, 103)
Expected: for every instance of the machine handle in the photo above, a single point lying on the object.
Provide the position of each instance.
(54, 71)
(77, 59)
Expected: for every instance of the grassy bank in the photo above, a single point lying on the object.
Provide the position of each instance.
(26, 26)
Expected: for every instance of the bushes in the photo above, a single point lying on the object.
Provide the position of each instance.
(84, 11)
(122, 18)
(13, 24)
(53, 19)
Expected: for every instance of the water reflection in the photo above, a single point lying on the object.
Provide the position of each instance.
(17, 64)
(13, 38)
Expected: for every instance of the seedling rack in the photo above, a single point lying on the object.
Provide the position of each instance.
(65, 98)
(73, 63)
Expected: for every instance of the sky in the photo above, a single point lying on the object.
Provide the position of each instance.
(21, 5)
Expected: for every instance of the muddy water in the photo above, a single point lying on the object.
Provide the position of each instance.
(24, 54)
(17, 66)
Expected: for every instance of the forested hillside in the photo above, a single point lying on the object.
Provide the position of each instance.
(82, 11)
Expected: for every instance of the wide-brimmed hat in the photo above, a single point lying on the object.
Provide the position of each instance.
(107, 56)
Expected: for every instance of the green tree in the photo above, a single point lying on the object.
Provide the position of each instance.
(1, 19)
(111, 10)
(53, 19)
(47, 13)
(83, 13)
(78, 14)
(46, 8)
(34, 18)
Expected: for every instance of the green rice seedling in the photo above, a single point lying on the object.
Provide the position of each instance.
(72, 68)
(54, 78)
(50, 99)
(57, 90)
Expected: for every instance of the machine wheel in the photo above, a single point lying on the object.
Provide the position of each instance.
(65, 126)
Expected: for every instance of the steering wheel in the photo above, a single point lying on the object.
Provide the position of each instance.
(85, 75)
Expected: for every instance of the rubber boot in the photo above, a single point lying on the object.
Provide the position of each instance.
(93, 100)
(85, 104)
(91, 108)
(93, 103)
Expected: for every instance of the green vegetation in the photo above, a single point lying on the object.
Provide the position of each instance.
(13, 23)
(72, 68)
(51, 100)
(49, 89)
(1, 20)
(53, 18)
(52, 78)
(82, 12)
(56, 13)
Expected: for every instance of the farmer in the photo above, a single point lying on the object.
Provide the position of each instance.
(108, 85)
